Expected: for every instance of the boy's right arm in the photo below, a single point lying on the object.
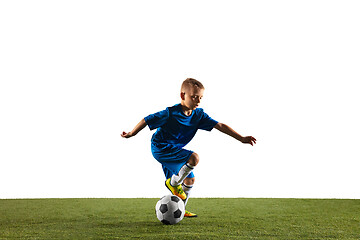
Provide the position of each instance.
(136, 129)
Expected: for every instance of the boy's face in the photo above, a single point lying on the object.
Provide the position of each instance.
(191, 97)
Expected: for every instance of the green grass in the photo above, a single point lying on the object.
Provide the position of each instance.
(219, 218)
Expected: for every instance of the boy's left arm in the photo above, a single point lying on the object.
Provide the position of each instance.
(231, 132)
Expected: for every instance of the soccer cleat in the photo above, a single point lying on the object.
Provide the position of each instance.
(189, 214)
(175, 190)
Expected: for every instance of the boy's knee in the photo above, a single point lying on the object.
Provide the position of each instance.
(189, 181)
(194, 159)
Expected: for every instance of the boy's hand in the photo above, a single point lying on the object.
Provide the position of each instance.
(126, 135)
(135, 131)
(229, 131)
(249, 139)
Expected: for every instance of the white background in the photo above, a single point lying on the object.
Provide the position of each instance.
(75, 74)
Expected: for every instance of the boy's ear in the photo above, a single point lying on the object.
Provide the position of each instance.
(182, 95)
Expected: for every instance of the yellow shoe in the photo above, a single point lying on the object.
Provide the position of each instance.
(175, 190)
(189, 214)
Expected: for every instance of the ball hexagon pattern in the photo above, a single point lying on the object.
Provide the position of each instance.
(170, 209)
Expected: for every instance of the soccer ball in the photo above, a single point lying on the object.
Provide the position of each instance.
(170, 209)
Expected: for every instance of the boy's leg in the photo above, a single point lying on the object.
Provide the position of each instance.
(193, 159)
(187, 186)
(174, 183)
(185, 170)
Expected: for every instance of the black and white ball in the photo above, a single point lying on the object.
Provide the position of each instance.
(170, 209)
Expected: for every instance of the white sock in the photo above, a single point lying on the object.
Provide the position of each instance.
(183, 173)
(187, 190)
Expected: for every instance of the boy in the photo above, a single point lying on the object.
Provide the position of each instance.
(176, 126)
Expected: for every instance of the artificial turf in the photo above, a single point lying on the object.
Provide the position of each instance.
(219, 218)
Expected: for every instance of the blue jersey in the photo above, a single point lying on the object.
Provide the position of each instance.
(177, 129)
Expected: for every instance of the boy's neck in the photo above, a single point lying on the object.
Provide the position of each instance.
(186, 110)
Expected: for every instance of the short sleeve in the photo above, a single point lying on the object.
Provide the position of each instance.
(206, 122)
(157, 119)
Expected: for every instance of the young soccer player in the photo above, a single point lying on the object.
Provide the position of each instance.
(176, 126)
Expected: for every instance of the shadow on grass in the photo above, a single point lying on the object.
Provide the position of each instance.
(131, 224)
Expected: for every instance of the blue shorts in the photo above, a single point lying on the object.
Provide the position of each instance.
(171, 157)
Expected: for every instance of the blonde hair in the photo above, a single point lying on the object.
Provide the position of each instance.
(191, 82)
